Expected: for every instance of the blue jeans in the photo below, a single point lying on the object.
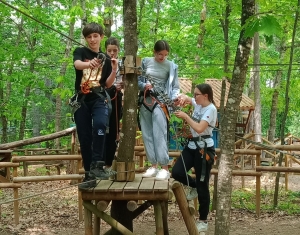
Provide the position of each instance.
(91, 121)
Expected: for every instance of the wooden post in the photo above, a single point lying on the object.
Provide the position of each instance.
(88, 222)
(286, 174)
(243, 168)
(108, 219)
(183, 206)
(125, 171)
(164, 209)
(196, 206)
(130, 171)
(121, 174)
(158, 218)
(97, 222)
(102, 205)
(131, 205)
(80, 207)
(191, 207)
(257, 188)
(16, 195)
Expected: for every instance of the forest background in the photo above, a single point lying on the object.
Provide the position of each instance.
(37, 74)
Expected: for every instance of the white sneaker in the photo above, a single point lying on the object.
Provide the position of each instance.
(163, 175)
(201, 226)
(151, 172)
(192, 194)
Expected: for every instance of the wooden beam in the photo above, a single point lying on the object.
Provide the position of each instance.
(10, 185)
(280, 147)
(112, 222)
(45, 158)
(46, 178)
(126, 196)
(38, 139)
(278, 169)
(183, 206)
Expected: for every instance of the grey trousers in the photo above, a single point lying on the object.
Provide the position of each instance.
(154, 133)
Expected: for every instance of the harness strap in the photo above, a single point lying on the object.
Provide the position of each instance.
(203, 152)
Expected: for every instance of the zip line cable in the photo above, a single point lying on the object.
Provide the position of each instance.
(42, 23)
(73, 40)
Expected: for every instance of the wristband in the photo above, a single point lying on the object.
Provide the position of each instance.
(114, 70)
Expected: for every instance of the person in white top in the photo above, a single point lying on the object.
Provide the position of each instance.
(199, 152)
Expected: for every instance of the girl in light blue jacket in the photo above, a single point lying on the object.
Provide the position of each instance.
(163, 76)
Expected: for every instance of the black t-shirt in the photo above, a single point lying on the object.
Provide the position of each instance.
(85, 54)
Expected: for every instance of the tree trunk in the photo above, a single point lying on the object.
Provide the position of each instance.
(129, 119)
(108, 16)
(287, 100)
(228, 124)
(158, 6)
(225, 27)
(256, 78)
(24, 109)
(276, 83)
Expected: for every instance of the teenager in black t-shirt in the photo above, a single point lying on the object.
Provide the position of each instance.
(95, 71)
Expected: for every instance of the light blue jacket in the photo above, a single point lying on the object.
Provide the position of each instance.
(172, 86)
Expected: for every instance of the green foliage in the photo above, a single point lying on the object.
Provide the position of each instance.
(246, 199)
(266, 25)
(41, 170)
(34, 54)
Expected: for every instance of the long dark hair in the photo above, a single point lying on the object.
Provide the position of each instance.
(206, 89)
(112, 41)
(161, 45)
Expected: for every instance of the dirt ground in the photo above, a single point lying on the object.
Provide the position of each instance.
(56, 213)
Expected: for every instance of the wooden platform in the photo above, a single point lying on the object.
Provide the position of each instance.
(147, 189)
(139, 189)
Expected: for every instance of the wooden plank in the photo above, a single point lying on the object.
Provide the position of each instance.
(161, 185)
(126, 196)
(103, 185)
(46, 178)
(117, 186)
(45, 158)
(147, 185)
(134, 185)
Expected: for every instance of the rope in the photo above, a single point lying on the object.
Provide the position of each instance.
(46, 192)
(40, 22)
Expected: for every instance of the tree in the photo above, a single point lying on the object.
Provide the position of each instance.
(287, 101)
(228, 123)
(119, 209)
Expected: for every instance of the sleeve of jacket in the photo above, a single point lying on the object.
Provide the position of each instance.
(141, 79)
(175, 83)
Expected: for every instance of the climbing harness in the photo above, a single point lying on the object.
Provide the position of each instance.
(86, 86)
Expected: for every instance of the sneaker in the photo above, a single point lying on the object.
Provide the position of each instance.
(110, 171)
(151, 172)
(192, 194)
(201, 226)
(163, 175)
(87, 183)
(97, 171)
